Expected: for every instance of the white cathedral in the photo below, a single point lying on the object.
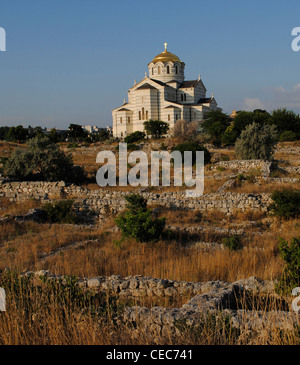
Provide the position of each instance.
(163, 95)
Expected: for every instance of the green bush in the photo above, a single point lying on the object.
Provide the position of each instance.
(130, 147)
(137, 222)
(43, 160)
(287, 136)
(286, 203)
(73, 145)
(290, 253)
(232, 243)
(193, 146)
(251, 178)
(60, 212)
(225, 158)
(240, 178)
(134, 137)
(256, 142)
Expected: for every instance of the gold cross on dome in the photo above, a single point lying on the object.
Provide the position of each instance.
(165, 44)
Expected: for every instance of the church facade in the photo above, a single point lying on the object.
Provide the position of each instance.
(163, 94)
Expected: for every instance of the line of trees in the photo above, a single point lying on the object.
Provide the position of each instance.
(224, 130)
(75, 133)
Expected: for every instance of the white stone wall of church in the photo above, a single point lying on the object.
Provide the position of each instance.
(189, 95)
(199, 92)
(170, 94)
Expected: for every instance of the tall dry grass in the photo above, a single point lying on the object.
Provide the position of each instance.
(40, 313)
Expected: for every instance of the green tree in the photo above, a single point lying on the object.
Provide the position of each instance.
(286, 120)
(137, 222)
(241, 121)
(76, 133)
(256, 142)
(156, 128)
(54, 136)
(42, 160)
(17, 134)
(3, 133)
(100, 136)
(215, 124)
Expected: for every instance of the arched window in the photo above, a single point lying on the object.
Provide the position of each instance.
(176, 69)
(146, 114)
(128, 119)
(140, 117)
(168, 69)
(143, 113)
(159, 70)
(152, 71)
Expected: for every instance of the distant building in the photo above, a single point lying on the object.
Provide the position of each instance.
(90, 128)
(164, 95)
(109, 130)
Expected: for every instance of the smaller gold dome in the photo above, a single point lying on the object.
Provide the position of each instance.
(166, 57)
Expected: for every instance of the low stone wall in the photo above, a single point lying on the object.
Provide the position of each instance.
(104, 202)
(203, 299)
(40, 190)
(245, 165)
(223, 202)
(292, 169)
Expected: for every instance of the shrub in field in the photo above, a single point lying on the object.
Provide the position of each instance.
(134, 137)
(257, 141)
(286, 203)
(193, 146)
(287, 136)
(137, 222)
(290, 253)
(233, 243)
(43, 160)
(60, 212)
(130, 147)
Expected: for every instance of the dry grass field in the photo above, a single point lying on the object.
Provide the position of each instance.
(40, 317)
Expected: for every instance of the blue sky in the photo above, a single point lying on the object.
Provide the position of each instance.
(73, 61)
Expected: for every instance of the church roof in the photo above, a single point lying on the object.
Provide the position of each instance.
(159, 82)
(204, 100)
(188, 84)
(124, 110)
(145, 86)
(173, 106)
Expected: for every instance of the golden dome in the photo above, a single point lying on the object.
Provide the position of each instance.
(166, 57)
